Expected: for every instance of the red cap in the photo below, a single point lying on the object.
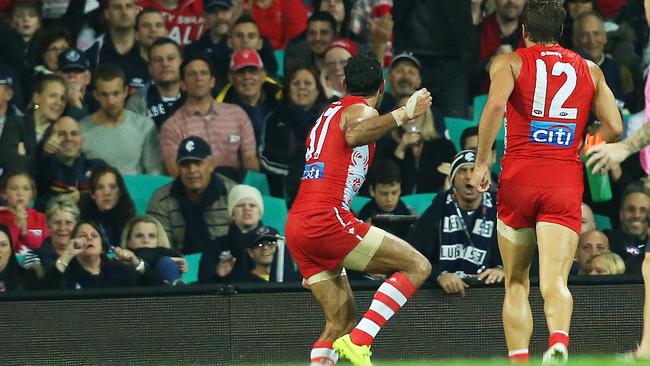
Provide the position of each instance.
(245, 58)
(345, 44)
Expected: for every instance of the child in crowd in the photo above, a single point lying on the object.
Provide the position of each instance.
(27, 226)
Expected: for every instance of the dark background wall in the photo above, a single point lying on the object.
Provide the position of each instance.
(208, 325)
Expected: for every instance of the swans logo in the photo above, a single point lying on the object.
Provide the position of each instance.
(552, 133)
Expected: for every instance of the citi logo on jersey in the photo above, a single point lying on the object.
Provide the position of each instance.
(314, 171)
(552, 133)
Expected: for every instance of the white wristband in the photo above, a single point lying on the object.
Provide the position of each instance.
(398, 120)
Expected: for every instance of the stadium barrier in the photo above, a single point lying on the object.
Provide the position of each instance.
(276, 323)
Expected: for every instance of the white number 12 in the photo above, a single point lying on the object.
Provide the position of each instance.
(539, 99)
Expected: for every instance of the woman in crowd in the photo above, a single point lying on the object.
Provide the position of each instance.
(83, 264)
(109, 204)
(20, 136)
(62, 216)
(27, 226)
(55, 41)
(145, 236)
(287, 128)
(606, 264)
(13, 277)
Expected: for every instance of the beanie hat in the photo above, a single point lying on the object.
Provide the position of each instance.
(241, 191)
(465, 157)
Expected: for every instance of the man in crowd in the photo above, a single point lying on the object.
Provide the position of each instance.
(63, 168)
(309, 48)
(630, 239)
(457, 233)
(193, 208)
(590, 244)
(75, 69)
(149, 26)
(225, 127)
(182, 18)
(118, 45)
(123, 139)
(160, 99)
(251, 89)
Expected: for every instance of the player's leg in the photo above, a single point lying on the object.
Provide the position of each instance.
(407, 270)
(333, 292)
(644, 348)
(557, 247)
(517, 247)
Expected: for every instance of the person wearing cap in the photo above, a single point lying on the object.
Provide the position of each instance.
(251, 89)
(161, 98)
(149, 26)
(457, 233)
(193, 208)
(332, 76)
(225, 126)
(74, 67)
(182, 18)
(119, 45)
(123, 139)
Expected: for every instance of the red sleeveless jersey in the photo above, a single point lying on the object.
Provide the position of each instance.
(334, 171)
(546, 116)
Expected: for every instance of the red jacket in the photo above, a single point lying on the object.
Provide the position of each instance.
(281, 21)
(36, 229)
(185, 23)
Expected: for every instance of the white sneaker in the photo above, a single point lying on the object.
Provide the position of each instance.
(558, 354)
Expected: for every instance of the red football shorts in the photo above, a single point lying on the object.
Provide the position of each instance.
(320, 240)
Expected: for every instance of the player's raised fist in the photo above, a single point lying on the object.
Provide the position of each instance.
(418, 103)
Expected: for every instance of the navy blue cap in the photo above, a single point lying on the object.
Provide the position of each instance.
(217, 4)
(193, 148)
(405, 55)
(73, 59)
(463, 158)
(262, 233)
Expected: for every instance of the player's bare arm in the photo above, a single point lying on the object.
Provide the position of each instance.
(604, 106)
(502, 76)
(362, 124)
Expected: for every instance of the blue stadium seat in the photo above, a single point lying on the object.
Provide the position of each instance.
(420, 201)
(192, 274)
(479, 103)
(602, 222)
(275, 213)
(455, 126)
(141, 187)
(358, 202)
(279, 58)
(259, 181)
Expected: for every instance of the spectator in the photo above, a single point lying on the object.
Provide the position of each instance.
(6, 94)
(149, 26)
(74, 67)
(251, 89)
(606, 264)
(193, 208)
(145, 236)
(630, 239)
(590, 244)
(589, 38)
(160, 99)
(218, 15)
(458, 232)
(385, 190)
(20, 136)
(182, 18)
(262, 253)
(282, 151)
(308, 49)
(227, 259)
(84, 264)
(118, 45)
(62, 168)
(469, 141)
(62, 216)
(500, 33)
(224, 126)
(112, 125)
(574, 8)
(332, 76)
(23, 40)
(588, 222)
(27, 226)
(437, 32)
(109, 205)
(54, 42)
(280, 20)
(13, 277)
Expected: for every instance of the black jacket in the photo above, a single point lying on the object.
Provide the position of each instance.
(19, 130)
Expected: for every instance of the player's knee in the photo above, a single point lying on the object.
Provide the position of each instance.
(553, 288)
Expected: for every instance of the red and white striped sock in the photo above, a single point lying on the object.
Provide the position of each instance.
(519, 356)
(390, 297)
(558, 336)
(322, 353)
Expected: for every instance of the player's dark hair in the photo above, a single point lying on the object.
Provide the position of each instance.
(544, 20)
(323, 16)
(108, 72)
(363, 74)
(385, 172)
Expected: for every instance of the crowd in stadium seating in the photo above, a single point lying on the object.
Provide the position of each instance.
(215, 93)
